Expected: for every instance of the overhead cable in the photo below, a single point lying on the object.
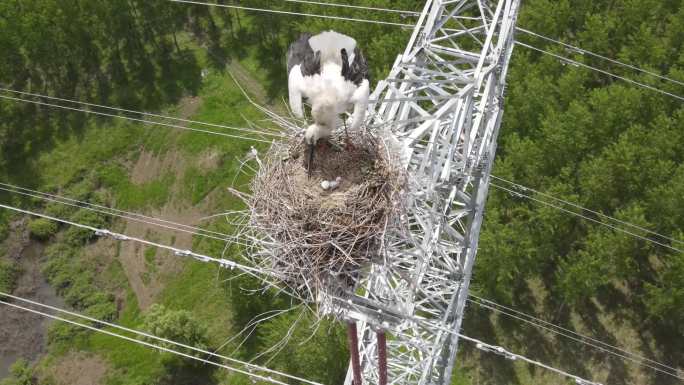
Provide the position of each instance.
(514, 357)
(575, 205)
(135, 119)
(248, 372)
(293, 13)
(580, 64)
(561, 331)
(520, 194)
(243, 129)
(114, 212)
(587, 52)
(122, 237)
(399, 11)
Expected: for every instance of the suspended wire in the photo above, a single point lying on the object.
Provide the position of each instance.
(580, 64)
(247, 372)
(516, 193)
(655, 89)
(293, 13)
(114, 212)
(592, 342)
(525, 188)
(247, 130)
(512, 356)
(255, 272)
(527, 31)
(431, 325)
(479, 344)
(135, 119)
(498, 350)
(565, 59)
(584, 51)
(399, 11)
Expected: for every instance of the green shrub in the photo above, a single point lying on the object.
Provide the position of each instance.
(42, 229)
(4, 226)
(60, 268)
(175, 325)
(104, 311)
(78, 236)
(21, 373)
(62, 332)
(9, 273)
(58, 210)
(75, 283)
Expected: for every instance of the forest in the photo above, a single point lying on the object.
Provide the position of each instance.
(569, 134)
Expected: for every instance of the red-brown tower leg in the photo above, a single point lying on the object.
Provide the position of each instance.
(353, 339)
(382, 357)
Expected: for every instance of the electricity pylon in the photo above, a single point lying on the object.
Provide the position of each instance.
(443, 103)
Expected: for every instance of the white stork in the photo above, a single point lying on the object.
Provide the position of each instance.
(329, 70)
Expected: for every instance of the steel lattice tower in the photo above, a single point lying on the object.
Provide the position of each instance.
(443, 103)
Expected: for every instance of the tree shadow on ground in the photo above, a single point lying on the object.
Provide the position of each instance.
(179, 372)
(496, 369)
(271, 59)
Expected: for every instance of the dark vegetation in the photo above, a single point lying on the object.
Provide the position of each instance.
(9, 272)
(569, 132)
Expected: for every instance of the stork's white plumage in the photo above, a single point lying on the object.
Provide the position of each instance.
(331, 72)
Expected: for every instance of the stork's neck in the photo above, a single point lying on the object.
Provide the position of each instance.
(331, 69)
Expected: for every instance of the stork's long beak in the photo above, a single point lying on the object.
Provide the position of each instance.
(312, 147)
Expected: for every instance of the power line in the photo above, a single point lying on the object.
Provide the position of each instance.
(257, 273)
(247, 130)
(580, 64)
(122, 237)
(293, 13)
(135, 119)
(525, 188)
(114, 212)
(479, 344)
(514, 357)
(516, 193)
(151, 336)
(592, 342)
(399, 11)
(584, 51)
(410, 25)
(254, 272)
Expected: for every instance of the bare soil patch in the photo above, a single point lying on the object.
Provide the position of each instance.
(79, 369)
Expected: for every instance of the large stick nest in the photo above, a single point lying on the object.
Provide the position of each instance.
(315, 240)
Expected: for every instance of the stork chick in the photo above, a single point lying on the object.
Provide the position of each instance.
(331, 72)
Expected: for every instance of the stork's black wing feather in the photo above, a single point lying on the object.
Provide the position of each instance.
(300, 52)
(357, 70)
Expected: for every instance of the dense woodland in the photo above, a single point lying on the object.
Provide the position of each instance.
(578, 135)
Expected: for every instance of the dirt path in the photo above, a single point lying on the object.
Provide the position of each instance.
(145, 274)
(255, 89)
(23, 335)
(146, 268)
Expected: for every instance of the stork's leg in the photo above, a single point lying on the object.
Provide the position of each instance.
(309, 166)
(347, 141)
(345, 129)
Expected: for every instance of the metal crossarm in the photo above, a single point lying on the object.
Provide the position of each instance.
(442, 104)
